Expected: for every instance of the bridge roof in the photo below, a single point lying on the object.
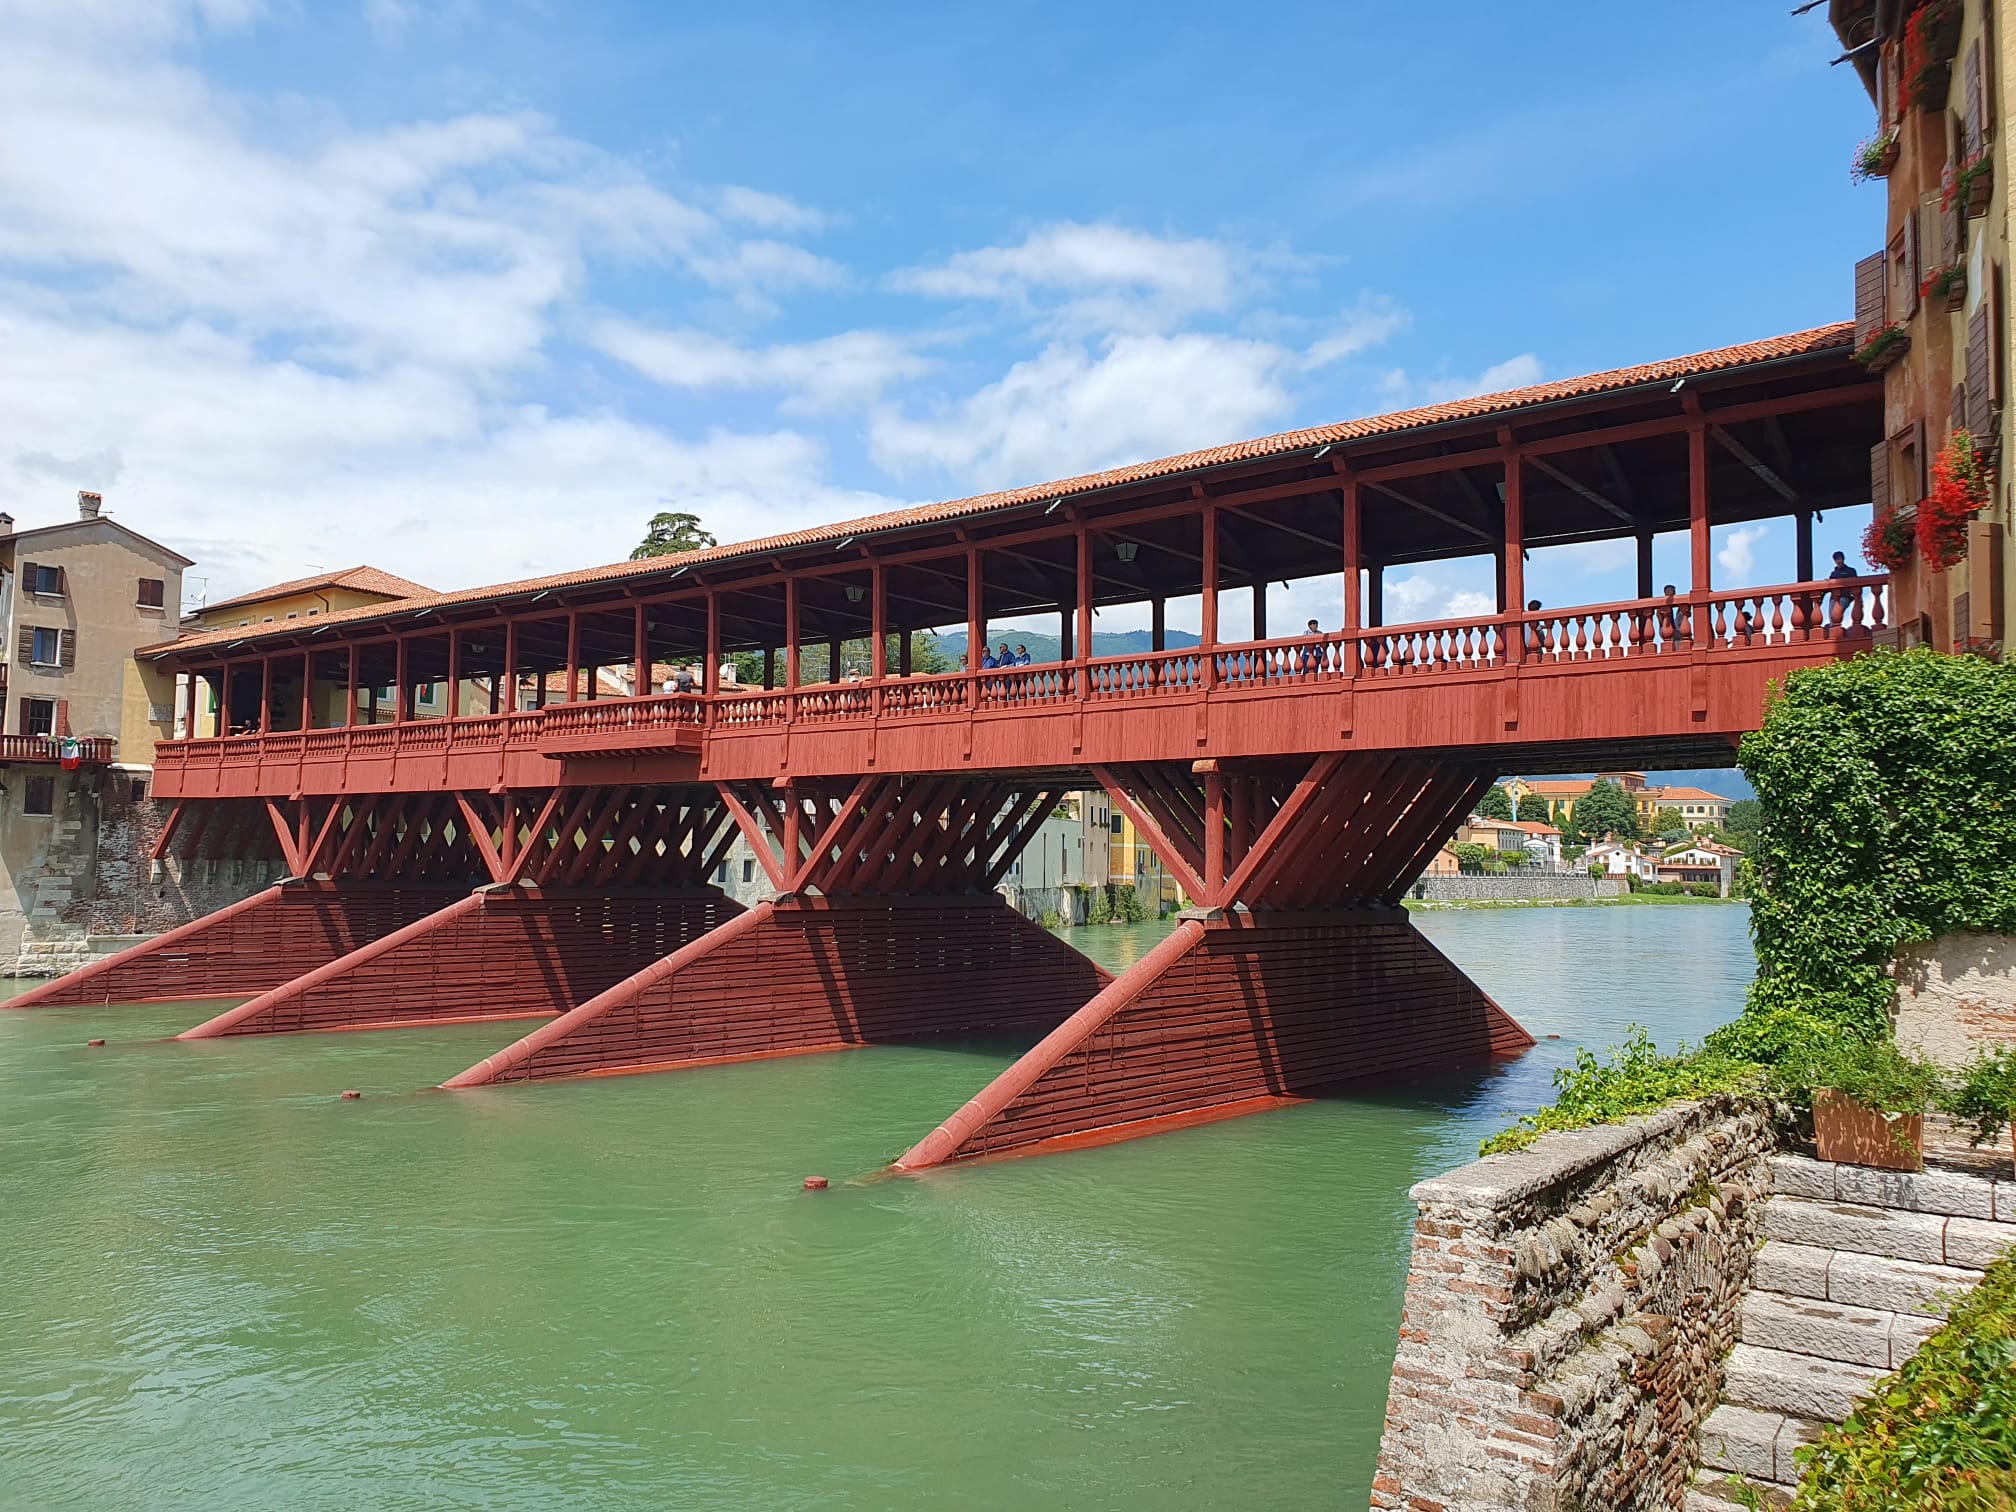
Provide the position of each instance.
(1826, 345)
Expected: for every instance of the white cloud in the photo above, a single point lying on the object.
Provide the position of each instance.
(1738, 551)
(388, 20)
(1514, 372)
(766, 212)
(845, 370)
(1069, 410)
(1371, 322)
(1468, 603)
(1420, 597)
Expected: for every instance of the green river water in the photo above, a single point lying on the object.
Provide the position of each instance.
(224, 1288)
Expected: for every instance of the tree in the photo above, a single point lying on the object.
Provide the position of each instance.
(1605, 810)
(1533, 810)
(1746, 818)
(1470, 856)
(1670, 824)
(673, 532)
(1497, 803)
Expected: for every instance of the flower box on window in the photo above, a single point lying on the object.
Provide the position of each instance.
(1884, 347)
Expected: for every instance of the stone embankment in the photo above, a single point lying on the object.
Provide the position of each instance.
(1628, 1317)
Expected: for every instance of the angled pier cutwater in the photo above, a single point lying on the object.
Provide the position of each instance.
(474, 827)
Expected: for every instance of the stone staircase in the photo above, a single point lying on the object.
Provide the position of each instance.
(1857, 1270)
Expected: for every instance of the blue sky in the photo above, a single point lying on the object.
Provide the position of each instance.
(470, 290)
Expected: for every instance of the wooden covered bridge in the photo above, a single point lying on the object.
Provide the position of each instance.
(473, 828)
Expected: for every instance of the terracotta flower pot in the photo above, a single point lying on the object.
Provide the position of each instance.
(1956, 295)
(1848, 1132)
(1980, 190)
(1890, 356)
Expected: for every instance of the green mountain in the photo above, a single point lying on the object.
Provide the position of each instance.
(1044, 645)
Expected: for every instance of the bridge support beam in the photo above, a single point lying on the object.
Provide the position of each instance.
(885, 927)
(1298, 972)
(249, 947)
(498, 953)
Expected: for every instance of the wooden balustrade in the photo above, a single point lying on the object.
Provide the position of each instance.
(1722, 623)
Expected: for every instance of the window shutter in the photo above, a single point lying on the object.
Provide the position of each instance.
(1952, 233)
(1978, 359)
(28, 577)
(1912, 276)
(26, 648)
(1920, 483)
(1996, 329)
(22, 718)
(62, 582)
(1869, 276)
(1956, 409)
(1879, 476)
(66, 648)
(1971, 141)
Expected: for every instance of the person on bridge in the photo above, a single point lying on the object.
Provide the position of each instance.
(1675, 622)
(1312, 654)
(1534, 638)
(1021, 655)
(987, 661)
(683, 680)
(1004, 657)
(1842, 600)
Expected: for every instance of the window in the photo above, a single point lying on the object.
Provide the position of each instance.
(136, 791)
(45, 647)
(40, 797)
(291, 614)
(45, 580)
(748, 870)
(153, 593)
(38, 716)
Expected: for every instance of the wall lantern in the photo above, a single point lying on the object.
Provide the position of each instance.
(1125, 550)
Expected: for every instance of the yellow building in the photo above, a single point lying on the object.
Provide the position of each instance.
(1132, 862)
(304, 598)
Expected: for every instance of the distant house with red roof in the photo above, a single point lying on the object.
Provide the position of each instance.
(305, 598)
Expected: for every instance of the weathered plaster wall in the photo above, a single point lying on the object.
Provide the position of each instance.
(1566, 1314)
(1955, 995)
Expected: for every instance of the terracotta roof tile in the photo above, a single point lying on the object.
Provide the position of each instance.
(1800, 343)
(359, 579)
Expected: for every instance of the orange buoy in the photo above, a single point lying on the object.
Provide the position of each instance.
(352, 1096)
(815, 1183)
(94, 1044)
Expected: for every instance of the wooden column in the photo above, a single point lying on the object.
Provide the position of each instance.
(1209, 638)
(1646, 588)
(307, 691)
(1514, 548)
(451, 702)
(769, 667)
(976, 622)
(265, 694)
(903, 653)
(1697, 506)
(573, 655)
(640, 681)
(1086, 573)
(1354, 551)
(350, 691)
(878, 624)
(1260, 611)
(1214, 836)
(1803, 538)
(1158, 624)
(833, 667)
(402, 700)
(711, 668)
(791, 634)
(511, 666)
(1375, 595)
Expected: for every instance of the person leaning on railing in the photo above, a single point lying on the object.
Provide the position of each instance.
(1841, 602)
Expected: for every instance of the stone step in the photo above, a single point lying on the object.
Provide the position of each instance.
(1833, 1330)
(1899, 1286)
(1795, 1385)
(1957, 1194)
(1719, 1493)
(1922, 1238)
(1744, 1441)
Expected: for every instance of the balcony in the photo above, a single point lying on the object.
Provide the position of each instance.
(49, 749)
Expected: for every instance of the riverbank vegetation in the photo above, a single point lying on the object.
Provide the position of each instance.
(1883, 788)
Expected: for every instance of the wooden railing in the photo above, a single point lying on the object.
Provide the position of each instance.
(93, 752)
(1719, 624)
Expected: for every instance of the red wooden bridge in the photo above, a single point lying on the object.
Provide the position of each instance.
(473, 828)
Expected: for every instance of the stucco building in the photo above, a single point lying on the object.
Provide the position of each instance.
(1929, 305)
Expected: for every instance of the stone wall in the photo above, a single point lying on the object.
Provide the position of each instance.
(1567, 1310)
(81, 883)
(1956, 994)
(1521, 887)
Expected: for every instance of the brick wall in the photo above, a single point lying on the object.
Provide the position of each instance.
(1567, 1310)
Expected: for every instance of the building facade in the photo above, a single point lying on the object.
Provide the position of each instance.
(1929, 310)
(81, 719)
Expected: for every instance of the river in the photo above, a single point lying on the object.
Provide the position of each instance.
(225, 1288)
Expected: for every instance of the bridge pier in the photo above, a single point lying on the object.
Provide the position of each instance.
(885, 927)
(1299, 972)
